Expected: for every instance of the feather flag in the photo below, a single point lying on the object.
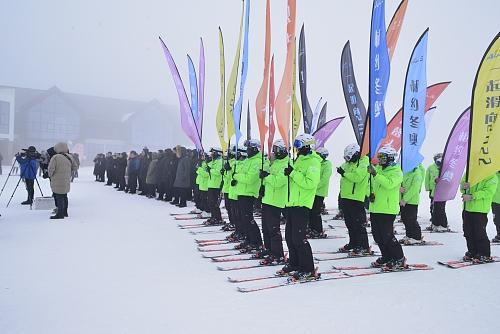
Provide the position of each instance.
(322, 116)
(201, 88)
(414, 100)
(272, 127)
(306, 108)
(317, 111)
(261, 100)
(325, 132)
(284, 97)
(231, 84)
(296, 112)
(220, 121)
(378, 76)
(187, 121)
(484, 135)
(395, 27)
(249, 123)
(193, 86)
(244, 70)
(355, 106)
(454, 159)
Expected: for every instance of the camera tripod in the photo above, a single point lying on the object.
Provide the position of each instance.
(18, 182)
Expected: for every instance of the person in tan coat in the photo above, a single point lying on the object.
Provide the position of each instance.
(60, 168)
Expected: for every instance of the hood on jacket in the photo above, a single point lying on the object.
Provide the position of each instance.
(61, 148)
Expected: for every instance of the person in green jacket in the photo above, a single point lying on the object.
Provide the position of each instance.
(315, 221)
(495, 207)
(202, 182)
(410, 198)
(304, 178)
(225, 171)
(438, 209)
(214, 186)
(239, 233)
(353, 185)
(477, 201)
(275, 185)
(384, 206)
(247, 182)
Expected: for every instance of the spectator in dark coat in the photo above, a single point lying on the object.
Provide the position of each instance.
(121, 167)
(182, 181)
(145, 158)
(151, 177)
(134, 165)
(109, 168)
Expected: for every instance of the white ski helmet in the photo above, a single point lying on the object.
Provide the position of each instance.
(304, 140)
(279, 149)
(280, 143)
(387, 155)
(323, 152)
(350, 151)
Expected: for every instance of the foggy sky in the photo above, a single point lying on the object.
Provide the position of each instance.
(111, 48)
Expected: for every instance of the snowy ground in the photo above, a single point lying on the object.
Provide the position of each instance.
(120, 264)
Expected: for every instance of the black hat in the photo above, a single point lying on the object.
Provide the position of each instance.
(30, 149)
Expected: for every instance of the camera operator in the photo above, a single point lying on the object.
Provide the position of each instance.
(28, 160)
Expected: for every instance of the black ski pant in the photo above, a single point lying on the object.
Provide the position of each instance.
(204, 201)
(196, 197)
(474, 225)
(409, 217)
(439, 214)
(132, 182)
(61, 201)
(30, 188)
(229, 209)
(299, 249)
(248, 224)
(214, 204)
(183, 195)
(495, 207)
(339, 204)
(383, 234)
(271, 219)
(431, 206)
(355, 218)
(233, 212)
(315, 221)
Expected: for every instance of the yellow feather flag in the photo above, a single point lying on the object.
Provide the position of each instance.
(296, 112)
(219, 118)
(484, 136)
(231, 84)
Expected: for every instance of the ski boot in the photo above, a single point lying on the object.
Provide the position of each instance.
(441, 229)
(482, 259)
(272, 260)
(395, 265)
(431, 228)
(260, 253)
(250, 249)
(403, 240)
(299, 276)
(317, 235)
(496, 239)
(345, 249)
(209, 222)
(338, 216)
(241, 245)
(379, 263)
(411, 241)
(287, 270)
(468, 257)
(359, 251)
(195, 211)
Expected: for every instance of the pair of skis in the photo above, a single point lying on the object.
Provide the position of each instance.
(334, 274)
(457, 264)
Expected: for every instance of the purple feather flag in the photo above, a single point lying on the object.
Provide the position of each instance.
(201, 89)
(324, 133)
(454, 159)
(187, 122)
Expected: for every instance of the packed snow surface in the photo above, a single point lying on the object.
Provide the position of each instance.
(120, 264)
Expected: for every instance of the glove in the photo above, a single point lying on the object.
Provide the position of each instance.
(467, 197)
(208, 169)
(227, 166)
(372, 170)
(341, 171)
(222, 171)
(288, 170)
(402, 203)
(262, 191)
(234, 183)
(263, 174)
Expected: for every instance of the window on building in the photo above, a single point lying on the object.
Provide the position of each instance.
(4, 117)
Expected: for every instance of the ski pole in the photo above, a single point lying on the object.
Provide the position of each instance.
(7, 179)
